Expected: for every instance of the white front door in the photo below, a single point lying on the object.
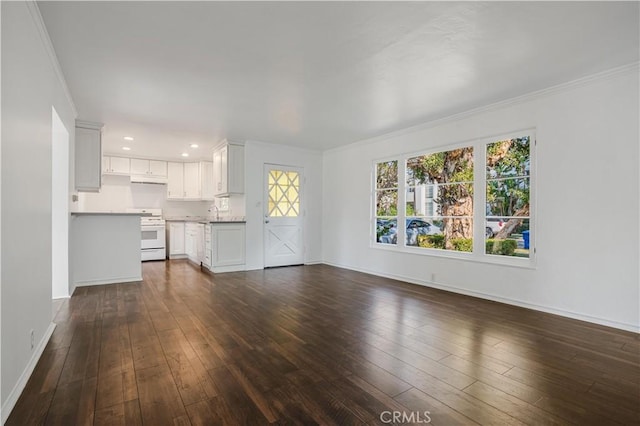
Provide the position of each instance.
(283, 216)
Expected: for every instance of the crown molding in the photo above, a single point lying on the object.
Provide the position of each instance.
(48, 46)
(559, 88)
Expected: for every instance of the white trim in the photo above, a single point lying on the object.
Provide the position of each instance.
(508, 301)
(109, 281)
(559, 88)
(61, 298)
(11, 400)
(48, 46)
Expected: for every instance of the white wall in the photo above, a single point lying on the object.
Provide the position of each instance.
(31, 85)
(118, 194)
(587, 222)
(59, 207)
(257, 154)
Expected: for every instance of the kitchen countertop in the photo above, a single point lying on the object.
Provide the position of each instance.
(109, 214)
(205, 219)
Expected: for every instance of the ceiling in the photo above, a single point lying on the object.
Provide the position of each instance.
(317, 74)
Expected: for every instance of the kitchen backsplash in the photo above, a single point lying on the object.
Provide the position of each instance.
(118, 194)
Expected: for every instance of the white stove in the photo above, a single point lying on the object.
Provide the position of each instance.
(153, 243)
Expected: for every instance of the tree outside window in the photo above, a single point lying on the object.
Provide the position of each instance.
(386, 196)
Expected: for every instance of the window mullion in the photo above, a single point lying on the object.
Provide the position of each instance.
(402, 201)
(479, 198)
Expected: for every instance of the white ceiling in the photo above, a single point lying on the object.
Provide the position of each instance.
(317, 74)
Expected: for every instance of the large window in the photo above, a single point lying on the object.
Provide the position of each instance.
(439, 200)
(425, 202)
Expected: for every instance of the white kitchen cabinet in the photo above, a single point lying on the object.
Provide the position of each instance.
(206, 180)
(88, 156)
(175, 181)
(115, 166)
(200, 242)
(155, 168)
(206, 260)
(227, 247)
(194, 241)
(228, 169)
(176, 240)
(191, 241)
(191, 181)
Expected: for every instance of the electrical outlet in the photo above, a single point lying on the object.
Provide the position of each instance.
(33, 339)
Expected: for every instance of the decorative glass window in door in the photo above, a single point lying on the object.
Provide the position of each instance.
(284, 193)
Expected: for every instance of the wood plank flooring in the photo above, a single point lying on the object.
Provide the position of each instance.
(320, 345)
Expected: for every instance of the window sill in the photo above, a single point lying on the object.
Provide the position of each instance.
(509, 261)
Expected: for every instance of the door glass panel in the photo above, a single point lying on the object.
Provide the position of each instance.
(284, 194)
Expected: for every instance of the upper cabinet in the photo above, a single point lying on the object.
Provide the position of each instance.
(206, 180)
(115, 166)
(88, 156)
(190, 181)
(175, 182)
(148, 167)
(228, 169)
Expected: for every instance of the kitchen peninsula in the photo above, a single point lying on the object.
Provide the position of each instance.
(104, 248)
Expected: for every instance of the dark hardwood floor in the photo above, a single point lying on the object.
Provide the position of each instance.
(320, 345)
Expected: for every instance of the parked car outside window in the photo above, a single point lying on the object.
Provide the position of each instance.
(493, 225)
(414, 227)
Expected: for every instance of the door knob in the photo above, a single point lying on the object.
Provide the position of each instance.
(266, 221)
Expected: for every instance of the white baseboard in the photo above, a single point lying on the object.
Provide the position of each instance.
(61, 297)
(12, 399)
(109, 281)
(314, 262)
(561, 312)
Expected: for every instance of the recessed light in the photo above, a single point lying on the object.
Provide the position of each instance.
(126, 148)
(185, 154)
(194, 145)
(128, 138)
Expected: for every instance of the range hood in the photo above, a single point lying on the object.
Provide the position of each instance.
(148, 179)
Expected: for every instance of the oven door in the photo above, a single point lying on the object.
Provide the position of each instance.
(153, 237)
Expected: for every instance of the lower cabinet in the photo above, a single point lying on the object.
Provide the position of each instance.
(219, 247)
(193, 241)
(176, 241)
(227, 248)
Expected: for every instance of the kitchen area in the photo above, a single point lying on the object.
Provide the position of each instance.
(132, 209)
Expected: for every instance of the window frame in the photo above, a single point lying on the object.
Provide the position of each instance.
(479, 216)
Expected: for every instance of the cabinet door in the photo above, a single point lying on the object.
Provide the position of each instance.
(119, 165)
(235, 169)
(176, 238)
(158, 168)
(175, 184)
(224, 170)
(217, 172)
(206, 180)
(192, 181)
(106, 164)
(227, 244)
(139, 167)
(88, 161)
(200, 243)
